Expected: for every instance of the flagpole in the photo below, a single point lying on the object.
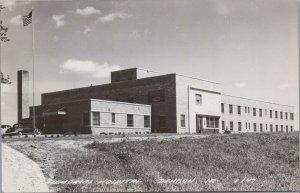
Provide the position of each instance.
(33, 49)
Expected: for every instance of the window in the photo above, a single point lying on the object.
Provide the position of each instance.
(222, 107)
(223, 125)
(291, 128)
(156, 99)
(276, 115)
(246, 125)
(271, 128)
(261, 127)
(147, 121)
(198, 98)
(248, 109)
(239, 110)
(231, 126)
(254, 126)
(266, 112)
(266, 127)
(156, 96)
(286, 115)
(96, 118)
(281, 115)
(270, 113)
(254, 111)
(113, 118)
(130, 121)
(286, 128)
(292, 116)
(230, 109)
(260, 112)
(130, 99)
(162, 122)
(245, 110)
(249, 126)
(281, 128)
(212, 122)
(240, 126)
(276, 128)
(86, 118)
(182, 120)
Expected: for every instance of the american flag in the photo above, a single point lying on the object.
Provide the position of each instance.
(27, 19)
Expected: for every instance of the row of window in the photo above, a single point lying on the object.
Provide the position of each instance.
(96, 119)
(257, 127)
(260, 111)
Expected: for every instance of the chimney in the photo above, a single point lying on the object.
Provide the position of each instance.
(23, 94)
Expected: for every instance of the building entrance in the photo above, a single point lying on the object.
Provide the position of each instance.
(199, 124)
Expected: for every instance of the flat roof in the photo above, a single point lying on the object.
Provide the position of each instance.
(109, 101)
(257, 100)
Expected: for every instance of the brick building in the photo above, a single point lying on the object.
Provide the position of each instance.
(177, 104)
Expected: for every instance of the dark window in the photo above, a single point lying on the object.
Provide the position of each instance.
(162, 122)
(130, 120)
(146, 121)
(261, 127)
(113, 118)
(286, 115)
(230, 109)
(249, 126)
(281, 115)
(231, 125)
(182, 120)
(254, 111)
(254, 126)
(222, 107)
(276, 128)
(281, 128)
(266, 127)
(292, 116)
(156, 96)
(260, 112)
(240, 126)
(248, 109)
(246, 125)
(291, 128)
(270, 113)
(239, 109)
(276, 115)
(86, 118)
(286, 128)
(96, 118)
(223, 125)
(271, 128)
(198, 98)
(245, 110)
(130, 99)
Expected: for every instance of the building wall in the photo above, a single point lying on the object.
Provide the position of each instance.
(23, 94)
(186, 89)
(72, 121)
(138, 89)
(121, 110)
(249, 118)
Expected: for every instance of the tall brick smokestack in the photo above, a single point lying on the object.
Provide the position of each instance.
(23, 94)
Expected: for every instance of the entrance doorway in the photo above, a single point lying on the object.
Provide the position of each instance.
(199, 124)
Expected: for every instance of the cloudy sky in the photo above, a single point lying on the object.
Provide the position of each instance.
(249, 46)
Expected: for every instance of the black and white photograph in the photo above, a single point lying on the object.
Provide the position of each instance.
(149, 96)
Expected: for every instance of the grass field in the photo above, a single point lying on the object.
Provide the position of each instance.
(237, 162)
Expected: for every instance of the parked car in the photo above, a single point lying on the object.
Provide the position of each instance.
(4, 128)
(19, 129)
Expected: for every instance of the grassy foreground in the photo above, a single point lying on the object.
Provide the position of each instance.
(238, 162)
